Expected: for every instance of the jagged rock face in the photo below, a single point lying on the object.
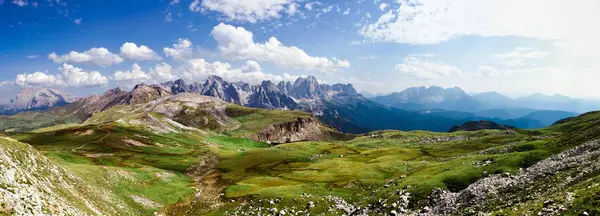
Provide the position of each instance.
(33, 98)
(306, 88)
(266, 96)
(480, 125)
(179, 86)
(303, 129)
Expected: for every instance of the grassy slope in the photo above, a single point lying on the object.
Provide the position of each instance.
(251, 170)
(254, 120)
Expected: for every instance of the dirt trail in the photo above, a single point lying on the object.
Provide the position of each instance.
(99, 128)
(208, 191)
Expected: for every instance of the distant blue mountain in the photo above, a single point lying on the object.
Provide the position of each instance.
(434, 97)
(548, 117)
(557, 102)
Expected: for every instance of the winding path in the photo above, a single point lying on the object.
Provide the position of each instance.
(99, 128)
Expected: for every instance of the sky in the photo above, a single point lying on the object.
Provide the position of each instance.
(514, 47)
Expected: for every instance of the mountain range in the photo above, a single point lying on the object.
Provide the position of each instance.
(435, 97)
(338, 105)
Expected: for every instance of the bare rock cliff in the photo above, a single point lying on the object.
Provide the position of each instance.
(302, 129)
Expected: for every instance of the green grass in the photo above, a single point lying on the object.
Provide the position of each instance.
(130, 161)
(254, 120)
(236, 143)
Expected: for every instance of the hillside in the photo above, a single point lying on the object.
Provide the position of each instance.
(156, 157)
(480, 125)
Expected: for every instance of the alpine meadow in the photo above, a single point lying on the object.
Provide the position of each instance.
(296, 107)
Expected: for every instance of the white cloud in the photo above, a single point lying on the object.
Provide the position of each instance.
(78, 21)
(169, 17)
(327, 9)
(518, 56)
(98, 56)
(382, 6)
(251, 66)
(38, 79)
(20, 3)
(200, 69)
(244, 10)
(5, 83)
(136, 75)
(76, 77)
(162, 72)
(69, 76)
(174, 2)
(346, 12)
(292, 9)
(181, 51)
(435, 21)
(522, 52)
(487, 71)
(425, 69)
(132, 52)
(159, 73)
(310, 5)
(32, 56)
(238, 43)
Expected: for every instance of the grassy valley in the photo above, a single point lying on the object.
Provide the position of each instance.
(149, 164)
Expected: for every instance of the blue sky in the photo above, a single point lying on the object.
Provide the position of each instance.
(513, 47)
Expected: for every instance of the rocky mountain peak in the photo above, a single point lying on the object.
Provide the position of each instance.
(34, 98)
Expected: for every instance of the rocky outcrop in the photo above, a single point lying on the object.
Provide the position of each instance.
(480, 125)
(143, 94)
(31, 184)
(303, 129)
(536, 182)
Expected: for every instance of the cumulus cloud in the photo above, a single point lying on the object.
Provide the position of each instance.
(238, 43)
(77, 77)
(132, 52)
(200, 69)
(181, 51)
(244, 10)
(69, 76)
(425, 69)
(38, 79)
(162, 72)
(78, 21)
(136, 75)
(159, 73)
(98, 56)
